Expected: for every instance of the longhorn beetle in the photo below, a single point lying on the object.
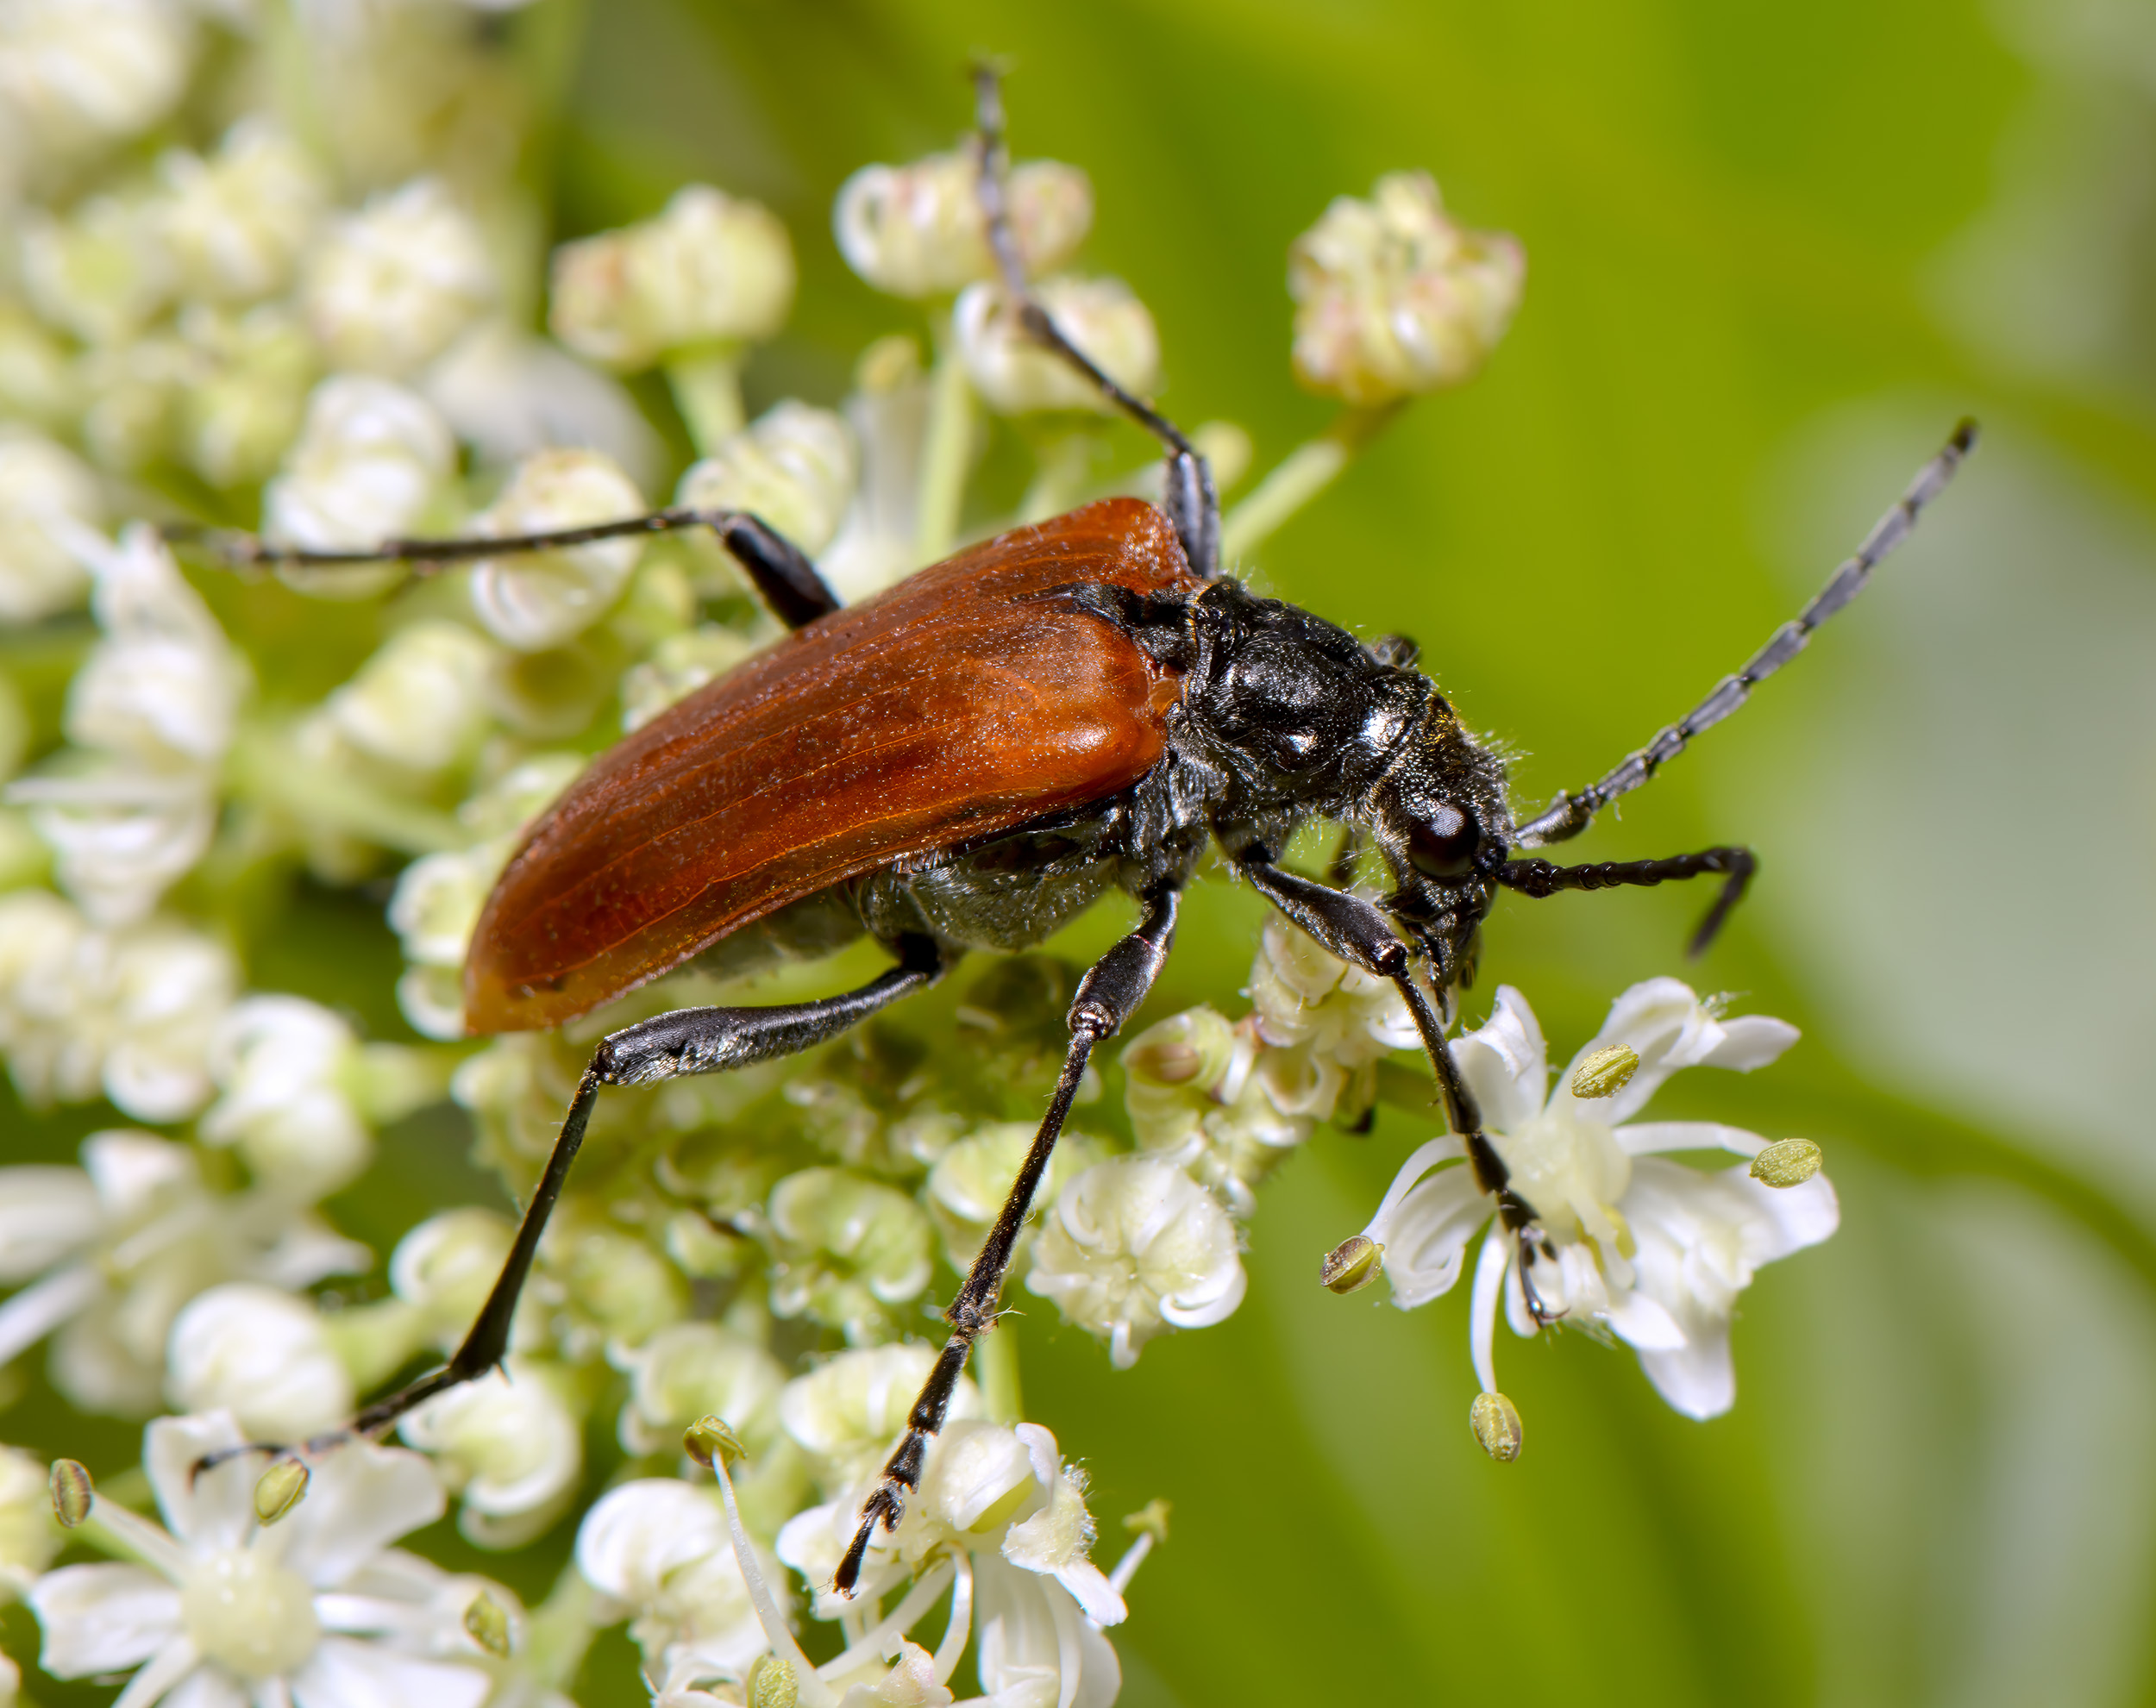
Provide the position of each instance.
(971, 757)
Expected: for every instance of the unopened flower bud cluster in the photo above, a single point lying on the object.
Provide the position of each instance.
(324, 341)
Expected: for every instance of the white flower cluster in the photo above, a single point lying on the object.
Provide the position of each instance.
(1654, 1250)
(322, 339)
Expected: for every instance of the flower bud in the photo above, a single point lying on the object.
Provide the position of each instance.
(1788, 1162)
(448, 1265)
(390, 287)
(511, 1450)
(28, 1506)
(677, 666)
(1134, 1246)
(260, 1354)
(239, 416)
(45, 492)
(373, 462)
(536, 600)
(238, 223)
(849, 1248)
(771, 1683)
(102, 272)
(280, 1489)
(711, 1438)
(845, 1413)
(971, 1180)
(1193, 1048)
(1017, 375)
(1606, 1073)
(1496, 1426)
(1353, 1265)
(72, 1493)
(691, 1370)
(919, 230)
(1393, 298)
(135, 393)
(711, 269)
(794, 468)
(421, 701)
(487, 1623)
(38, 382)
(88, 73)
(281, 1063)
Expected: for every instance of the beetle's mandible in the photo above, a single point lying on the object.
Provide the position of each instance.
(967, 759)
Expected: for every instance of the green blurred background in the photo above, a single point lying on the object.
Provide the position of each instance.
(1773, 253)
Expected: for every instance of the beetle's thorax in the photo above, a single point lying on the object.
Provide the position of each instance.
(1293, 710)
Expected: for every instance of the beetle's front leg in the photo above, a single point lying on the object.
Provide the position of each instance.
(1107, 995)
(1360, 935)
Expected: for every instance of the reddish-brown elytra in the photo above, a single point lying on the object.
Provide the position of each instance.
(954, 706)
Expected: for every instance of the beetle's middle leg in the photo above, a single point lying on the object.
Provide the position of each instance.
(666, 1047)
(1107, 995)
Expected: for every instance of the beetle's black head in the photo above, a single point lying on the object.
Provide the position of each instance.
(1439, 818)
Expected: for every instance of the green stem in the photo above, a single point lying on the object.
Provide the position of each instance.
(707, 384)
(1300, 476)
(996, 1369)
(559, 1632)
(264, 770)
(1059, 479)
(947, 447)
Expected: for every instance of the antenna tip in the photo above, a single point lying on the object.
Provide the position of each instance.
(1965, 436)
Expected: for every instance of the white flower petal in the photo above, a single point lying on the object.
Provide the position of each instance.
(1421, 1162)
(1506, 1063)
(103, 1619)
(1490, 1269)
(638, 1534)
(1697, 1378)
(205, 1687)
(46, 1213)
(1645, 1138)
(1800, 1216)
(1644, 1323)
(1750, 1041)
(1426, 1237)
(345, 1672)
(1095, 1596)
(216, 1510)
(362, 1499)
(1022, 1643)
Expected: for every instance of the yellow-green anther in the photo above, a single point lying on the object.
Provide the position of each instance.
(72, 1491)
(1353, 1264)
(1606, 1073)
(280, 1489)
(708, 1438)
(1496, 1426)
(1788, 1163)
(487, 1623)
(1150, 1519)
(771, 1683)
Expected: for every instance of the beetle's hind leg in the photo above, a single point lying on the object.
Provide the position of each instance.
(1107, 995)
(1189, 498)
(788, 582)
(666, 1046)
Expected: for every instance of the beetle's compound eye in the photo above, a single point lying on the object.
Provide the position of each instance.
(1444, 845)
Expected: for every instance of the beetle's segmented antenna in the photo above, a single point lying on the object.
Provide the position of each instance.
(996, 167)
(1570, 814)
